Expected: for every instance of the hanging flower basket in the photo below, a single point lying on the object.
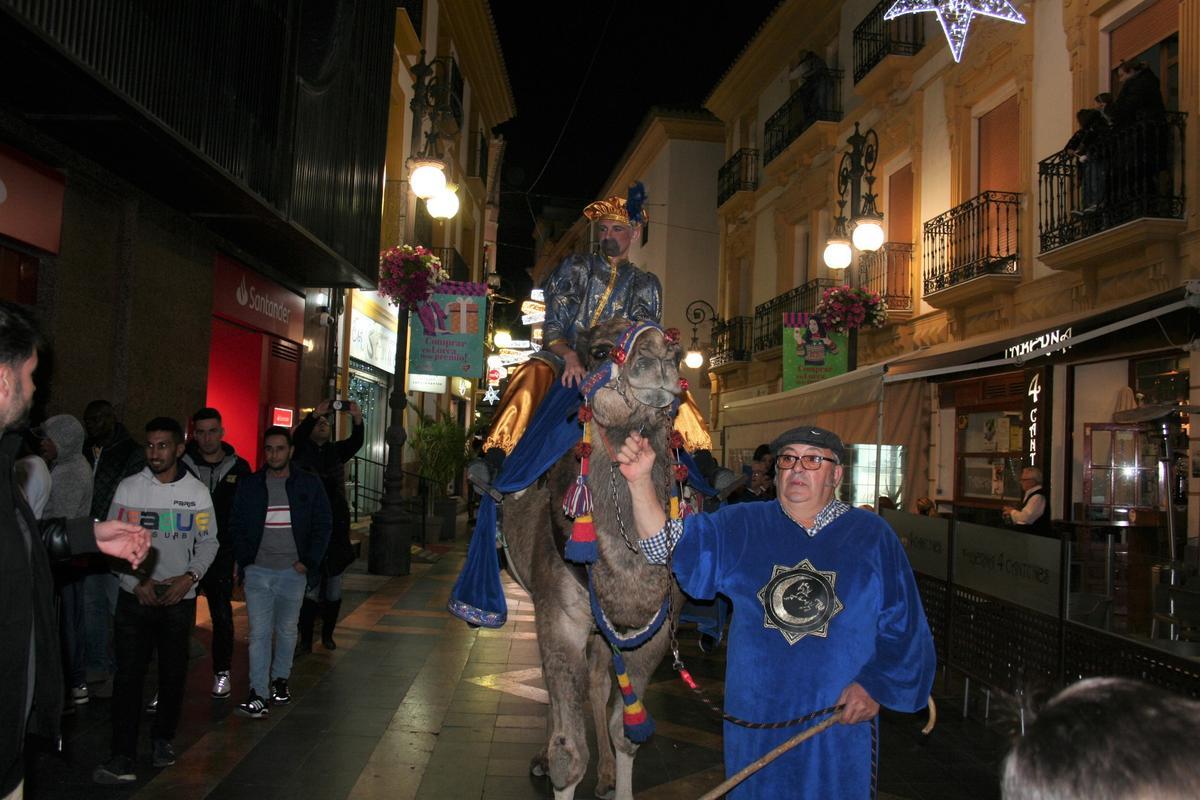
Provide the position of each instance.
(843, 309)
(408, 275)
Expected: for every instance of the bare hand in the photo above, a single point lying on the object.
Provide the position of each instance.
(322, 408)
(145, 594)
(636, 458)
(356, 412)
(122, 540)
(299, 567)
(573, 371)
(859, 707)
(180, 585)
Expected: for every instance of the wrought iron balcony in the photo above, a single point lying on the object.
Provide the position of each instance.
(477, 160)
(731, 341)
(819, 98)
(738, 174)
(978, 237)
(453, 262)
(1127, 173)
(450, 87)
(888, 273)
(768, 316)
(876, 38)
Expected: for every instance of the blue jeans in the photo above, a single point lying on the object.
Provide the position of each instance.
(273, 598)
(99, 605)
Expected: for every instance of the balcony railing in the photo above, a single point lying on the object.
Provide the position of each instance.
(477, 160)
(738, 174)
(888, 273)
(731, 341)
(978, 237)
(453, 263)
(1127, 173)
(818, 98)
(768, 317)
(876, 38)
(449, 86)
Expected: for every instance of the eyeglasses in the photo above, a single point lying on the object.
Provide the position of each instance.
(810, 462)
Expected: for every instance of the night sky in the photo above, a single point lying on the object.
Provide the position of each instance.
(656, 52)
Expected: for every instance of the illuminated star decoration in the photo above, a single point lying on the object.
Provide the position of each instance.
(490, 396)
(955, 16)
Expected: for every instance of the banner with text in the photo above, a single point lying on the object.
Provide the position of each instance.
(810, 353)
(446, 332)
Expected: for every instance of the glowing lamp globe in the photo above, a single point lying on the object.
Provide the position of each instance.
(443, 205)
(868, 235)
(838, 254)
(427, 178)
(502, 339)
(694, 359)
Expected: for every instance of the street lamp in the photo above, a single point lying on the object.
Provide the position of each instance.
(865, 229)
(427, 169)
(696, 315)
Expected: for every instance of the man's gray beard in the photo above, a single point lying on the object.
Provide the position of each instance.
(610, 248)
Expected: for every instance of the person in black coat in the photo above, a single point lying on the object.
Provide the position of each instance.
(31, 695)
(317, 452)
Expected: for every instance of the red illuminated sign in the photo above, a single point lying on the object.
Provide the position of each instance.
(244, 296)
(31, 200)
(284, 417)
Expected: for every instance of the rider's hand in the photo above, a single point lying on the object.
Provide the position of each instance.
(636, 458)
(573, 371)
(859, 707)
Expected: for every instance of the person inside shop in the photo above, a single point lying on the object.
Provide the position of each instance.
(926, 507)
(1031, 514)
(826, 613)
(1107, 737)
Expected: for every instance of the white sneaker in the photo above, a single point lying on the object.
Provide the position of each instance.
(79, 694)
(222, 685)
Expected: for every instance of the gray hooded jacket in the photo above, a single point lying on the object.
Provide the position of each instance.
(70, 475)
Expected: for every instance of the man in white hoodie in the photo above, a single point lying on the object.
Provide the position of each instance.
(156, 608)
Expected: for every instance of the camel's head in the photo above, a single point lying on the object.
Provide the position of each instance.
(643, 370)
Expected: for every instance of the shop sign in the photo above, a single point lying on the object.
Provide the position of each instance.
(925, 539)
(461, 387)
(447, 332)
(284, 417)
(372, 342)
(244, 296)
(1035, 443)
(810, 353)
(435, 384)
(31, 201)
(1038, 342)
(536, 318)
(1022, 568)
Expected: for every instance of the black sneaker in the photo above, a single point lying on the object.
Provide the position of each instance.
(164, 753)
(280, 696)
(118, 769)
(254, 707)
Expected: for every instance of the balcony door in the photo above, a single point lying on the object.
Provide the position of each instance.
(998, 171)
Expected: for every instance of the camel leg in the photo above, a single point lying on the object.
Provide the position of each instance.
(563, 644)
(600, 683)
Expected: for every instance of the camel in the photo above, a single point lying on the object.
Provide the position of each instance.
(577, 663)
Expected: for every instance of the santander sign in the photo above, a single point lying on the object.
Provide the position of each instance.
(244, 296)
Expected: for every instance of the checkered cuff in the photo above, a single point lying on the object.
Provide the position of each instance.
(657, 549)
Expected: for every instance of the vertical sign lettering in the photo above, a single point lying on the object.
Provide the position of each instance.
(1036, 439)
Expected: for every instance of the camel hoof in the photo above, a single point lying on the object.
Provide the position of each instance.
(607, 794)
(539, 767)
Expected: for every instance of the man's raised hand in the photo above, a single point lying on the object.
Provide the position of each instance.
(636, 458)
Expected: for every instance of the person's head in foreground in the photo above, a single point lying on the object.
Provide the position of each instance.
(1108, 739)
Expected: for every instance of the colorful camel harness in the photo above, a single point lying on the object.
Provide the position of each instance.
(582, 547)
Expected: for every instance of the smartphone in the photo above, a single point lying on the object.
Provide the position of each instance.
(340, 405)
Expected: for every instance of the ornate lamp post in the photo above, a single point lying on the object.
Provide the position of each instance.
(865, 230)
(393, 526)
(698, 312)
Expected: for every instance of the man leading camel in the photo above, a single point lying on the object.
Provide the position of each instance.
(826, 613)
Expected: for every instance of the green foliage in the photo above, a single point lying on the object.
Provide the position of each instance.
(442, 447)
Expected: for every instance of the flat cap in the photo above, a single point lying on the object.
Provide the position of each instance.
(807, 434)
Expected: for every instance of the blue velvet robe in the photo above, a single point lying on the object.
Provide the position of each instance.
(811, 616)
(584, 291)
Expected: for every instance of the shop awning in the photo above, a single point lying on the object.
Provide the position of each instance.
(954, 357)
(862, 386)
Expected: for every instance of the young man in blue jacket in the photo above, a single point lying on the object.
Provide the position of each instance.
(281, 522)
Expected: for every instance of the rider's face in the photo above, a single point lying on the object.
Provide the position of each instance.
(615, 237)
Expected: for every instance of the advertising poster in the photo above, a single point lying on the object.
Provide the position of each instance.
(810, 353)
(446, 332)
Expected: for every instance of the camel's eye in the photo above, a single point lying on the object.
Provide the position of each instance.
(600, 351)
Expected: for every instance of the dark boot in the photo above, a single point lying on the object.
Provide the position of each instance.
(329, 615)
(308, 616)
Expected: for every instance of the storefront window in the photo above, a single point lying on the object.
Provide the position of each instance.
(858, 481)
(989, 456)
(1161, 380)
